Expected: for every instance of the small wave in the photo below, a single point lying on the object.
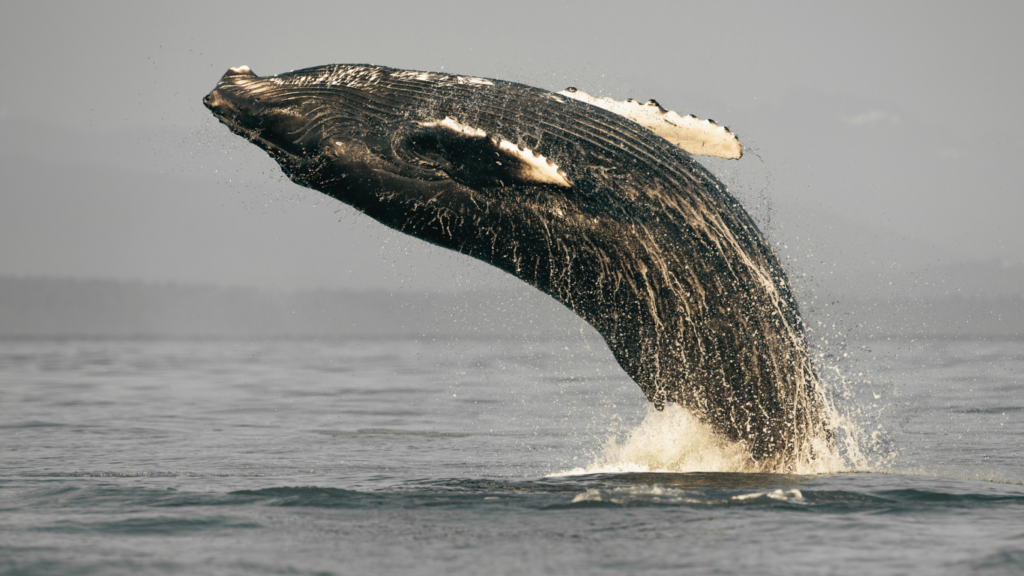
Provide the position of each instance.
(125, 474)
(432, 433)
(662, 495)
(639, 495)
(36, 424)
(152, 525)
(793, 495)
(1007, 561)
(975, 475)
(841, 501)
(314, 497)
(166, 474)
(391, 432)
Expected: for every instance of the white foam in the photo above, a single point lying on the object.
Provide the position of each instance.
(787, 496)
(631, 494)
(672, 440)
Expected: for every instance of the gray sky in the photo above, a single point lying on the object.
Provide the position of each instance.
(886, 134)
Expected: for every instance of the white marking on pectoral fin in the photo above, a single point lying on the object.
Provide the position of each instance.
(456, 126)
(535, 168)
(532, 167)
(695, 136)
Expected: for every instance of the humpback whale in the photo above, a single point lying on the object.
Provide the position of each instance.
(598, 203)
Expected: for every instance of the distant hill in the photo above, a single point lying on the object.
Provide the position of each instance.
(49, 307)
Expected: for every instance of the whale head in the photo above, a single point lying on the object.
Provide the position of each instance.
(343, 131)
(262, 113)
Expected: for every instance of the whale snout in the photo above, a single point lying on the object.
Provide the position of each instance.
(216, 103)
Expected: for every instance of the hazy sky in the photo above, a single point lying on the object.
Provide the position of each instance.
(883, 131)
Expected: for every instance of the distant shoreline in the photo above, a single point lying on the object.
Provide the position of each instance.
(97, 308)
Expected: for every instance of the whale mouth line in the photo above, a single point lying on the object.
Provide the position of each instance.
(253, 135)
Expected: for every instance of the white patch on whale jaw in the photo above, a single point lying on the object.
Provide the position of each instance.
(695, 136)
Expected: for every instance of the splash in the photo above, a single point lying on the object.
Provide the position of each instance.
(860, 437)
(674, 440)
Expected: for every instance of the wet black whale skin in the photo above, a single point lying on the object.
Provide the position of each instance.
(609, 219)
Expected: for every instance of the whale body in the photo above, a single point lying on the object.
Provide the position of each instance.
(592, 204)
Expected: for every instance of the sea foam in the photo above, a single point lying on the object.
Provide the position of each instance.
(674, 440)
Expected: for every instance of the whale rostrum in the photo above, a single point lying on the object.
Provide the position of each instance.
(598, 204)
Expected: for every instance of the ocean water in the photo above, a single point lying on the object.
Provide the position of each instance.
(488, 456)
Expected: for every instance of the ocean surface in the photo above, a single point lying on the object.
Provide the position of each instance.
(488, 456)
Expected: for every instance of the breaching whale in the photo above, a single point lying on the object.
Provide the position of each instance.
(597, 203)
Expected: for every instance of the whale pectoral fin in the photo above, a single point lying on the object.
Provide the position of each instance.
(691, 134)
(472, 157)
